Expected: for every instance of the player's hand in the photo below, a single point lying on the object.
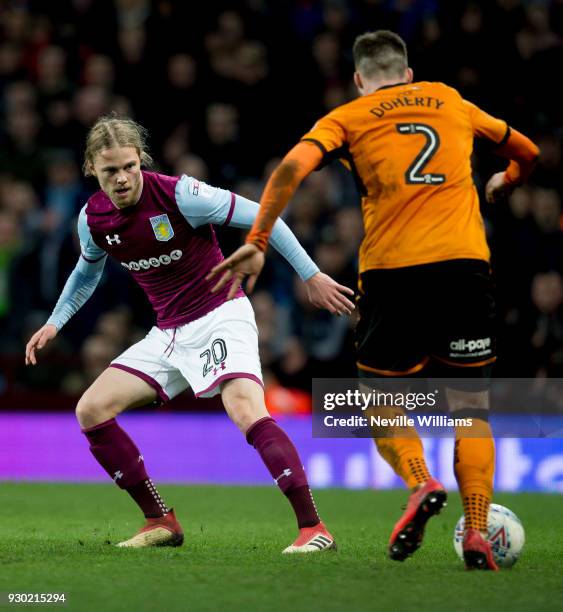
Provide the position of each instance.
(247, 261)
(497, 188)
(38, 341)
(325, 292)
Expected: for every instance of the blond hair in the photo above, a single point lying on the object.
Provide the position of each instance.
(112, 131)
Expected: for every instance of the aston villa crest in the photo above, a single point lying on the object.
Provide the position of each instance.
(162, 228)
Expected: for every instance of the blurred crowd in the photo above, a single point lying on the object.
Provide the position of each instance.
(225, 88)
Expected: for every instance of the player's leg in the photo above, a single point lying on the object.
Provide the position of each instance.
(474, 463)
(219, 354)
(465, 356)
(244, 402)
(391, 348)
(402, 448)
(117, 389)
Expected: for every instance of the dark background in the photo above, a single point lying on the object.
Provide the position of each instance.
(225, 88)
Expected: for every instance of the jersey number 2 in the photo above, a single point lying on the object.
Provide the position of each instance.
(414, 174)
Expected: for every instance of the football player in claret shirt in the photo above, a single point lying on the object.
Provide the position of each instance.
(425, 289)
(160, 229)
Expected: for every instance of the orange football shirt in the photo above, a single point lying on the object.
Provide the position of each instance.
(409, 147)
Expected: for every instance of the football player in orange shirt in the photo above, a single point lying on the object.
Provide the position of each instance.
(425, 289)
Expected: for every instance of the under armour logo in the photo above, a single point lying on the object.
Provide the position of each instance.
(221, 367)
(286, 472)
(141, 458)
(114, 240)
(118, 475)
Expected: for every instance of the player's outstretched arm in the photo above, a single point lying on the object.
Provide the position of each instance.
(221, 207)
(248, 261)
(285, 179)
(510, 144)
(523, 154)
(78, 288)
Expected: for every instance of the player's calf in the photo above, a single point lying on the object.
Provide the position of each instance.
(244, 402)
(116, 452)
(283, 462)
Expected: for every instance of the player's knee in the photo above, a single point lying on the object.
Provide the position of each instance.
(244, 402)
(243, 411)
(91, 411)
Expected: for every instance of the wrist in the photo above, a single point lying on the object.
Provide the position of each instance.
(56, 325)
(508, 181)
(511, 175)
(257, 240)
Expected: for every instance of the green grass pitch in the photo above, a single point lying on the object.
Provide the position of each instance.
(56, 537)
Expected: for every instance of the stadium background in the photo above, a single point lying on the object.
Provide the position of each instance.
(224, 89)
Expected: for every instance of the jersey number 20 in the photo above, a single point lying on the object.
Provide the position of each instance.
(214, 357)
(415, 174)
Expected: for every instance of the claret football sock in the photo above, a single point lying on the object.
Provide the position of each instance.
(303, 504)
(474, 463)
(148, 499)
(283, 462)
(119, 456)
(402, 448)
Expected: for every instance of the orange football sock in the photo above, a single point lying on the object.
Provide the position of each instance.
(474, 466)
(402, 448)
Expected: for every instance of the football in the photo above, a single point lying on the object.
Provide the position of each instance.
(506, 535)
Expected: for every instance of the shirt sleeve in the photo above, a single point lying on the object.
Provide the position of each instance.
(91, 252)
(328, 134)
(201, 203)
(487, 126)
(83, 280)
(78, 288)
(282, 238)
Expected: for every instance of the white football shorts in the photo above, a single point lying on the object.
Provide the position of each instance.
(221, 345)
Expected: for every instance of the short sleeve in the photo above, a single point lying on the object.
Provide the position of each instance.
(328, 133)
(201, 203)
(487, 126)
(91, 252)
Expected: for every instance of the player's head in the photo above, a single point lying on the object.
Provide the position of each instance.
(380, 58)
(115, 150)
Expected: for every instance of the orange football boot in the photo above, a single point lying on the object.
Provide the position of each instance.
(477, 552)
(162, 531)
(312, 539)
(408, 532)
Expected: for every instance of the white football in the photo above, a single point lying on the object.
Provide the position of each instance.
(506, 535)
